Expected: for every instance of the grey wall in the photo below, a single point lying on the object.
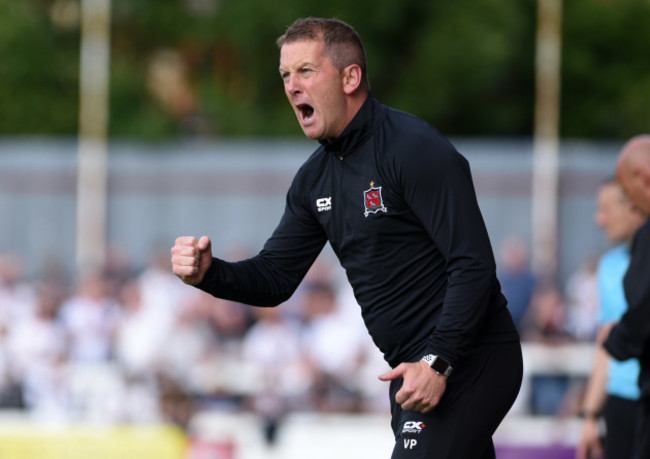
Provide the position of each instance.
(234, 191)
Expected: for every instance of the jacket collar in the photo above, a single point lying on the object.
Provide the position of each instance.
(360, 128)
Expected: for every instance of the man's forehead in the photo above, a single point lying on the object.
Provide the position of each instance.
(302, 50)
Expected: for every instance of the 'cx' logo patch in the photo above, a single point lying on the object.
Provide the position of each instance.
(324, 204)
(413, 426)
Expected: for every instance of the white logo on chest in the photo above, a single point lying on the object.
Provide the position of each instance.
(324, 204)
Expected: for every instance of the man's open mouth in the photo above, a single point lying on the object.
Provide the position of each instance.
(306, 111)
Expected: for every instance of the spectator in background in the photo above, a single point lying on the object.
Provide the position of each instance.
(334, 363)
(161, 341)
(613, 390)
(546, 324)
(229, 321)
(631, 336)
(17, 296)
(582, 300)
(37, 356)
(154, 305)
(160, 289)
(17, 300)
(141, 335)
(272, 347)
(138, 344)
(117, 269)
(192, 353)
(546, 321)
(90, 318)
(518, 282)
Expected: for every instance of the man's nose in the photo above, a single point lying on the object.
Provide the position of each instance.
(291, 84)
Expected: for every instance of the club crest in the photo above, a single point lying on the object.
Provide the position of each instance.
(373, 200)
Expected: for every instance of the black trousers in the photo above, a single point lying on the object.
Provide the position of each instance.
(479, 394)
(621, 419)
(642, 445)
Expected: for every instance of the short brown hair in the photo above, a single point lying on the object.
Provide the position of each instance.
(342, 44)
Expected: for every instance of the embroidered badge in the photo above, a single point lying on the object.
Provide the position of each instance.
(373, 200)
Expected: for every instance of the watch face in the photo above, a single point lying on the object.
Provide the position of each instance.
(441, 366)
(438, 364)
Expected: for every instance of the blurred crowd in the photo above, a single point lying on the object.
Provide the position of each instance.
(137, 345)
(127, 345)
(542, 310)
(548, 314)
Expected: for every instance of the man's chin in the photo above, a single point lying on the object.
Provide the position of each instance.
(311, 134)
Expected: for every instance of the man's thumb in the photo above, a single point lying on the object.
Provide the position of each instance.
(392, 374)
(205, 245)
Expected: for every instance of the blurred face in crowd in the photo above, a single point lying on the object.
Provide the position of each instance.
(616, 215)
(316, 89)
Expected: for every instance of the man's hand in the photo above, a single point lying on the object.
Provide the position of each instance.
(422, 388)
(191, 258)
(604, 330)
(590, 446)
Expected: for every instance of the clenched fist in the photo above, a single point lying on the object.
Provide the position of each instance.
(191, 258)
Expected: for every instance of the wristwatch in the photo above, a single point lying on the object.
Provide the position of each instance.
(439, 365)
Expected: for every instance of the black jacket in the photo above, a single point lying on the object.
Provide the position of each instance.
(397, 204)
(631, 337)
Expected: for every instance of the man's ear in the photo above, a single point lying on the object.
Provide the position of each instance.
(352, 76)
(644, 173)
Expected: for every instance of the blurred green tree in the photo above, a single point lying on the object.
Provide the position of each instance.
(39, 71)
(209, 67)
(606, 68)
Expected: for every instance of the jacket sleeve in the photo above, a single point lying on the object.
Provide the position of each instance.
(272, 276)
(629, 337)
(438, 186)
